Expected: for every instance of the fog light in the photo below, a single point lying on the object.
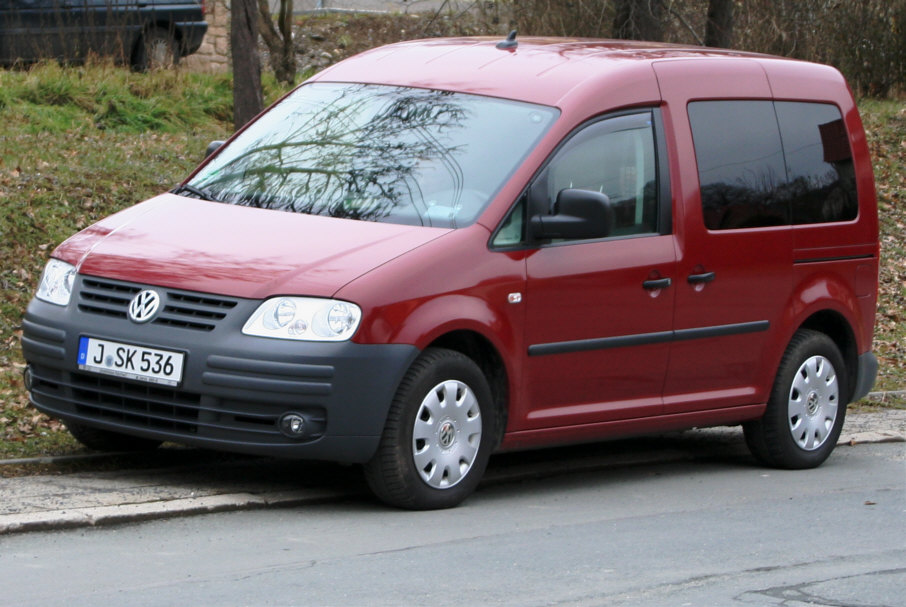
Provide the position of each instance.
(27, 378)
(293, 425)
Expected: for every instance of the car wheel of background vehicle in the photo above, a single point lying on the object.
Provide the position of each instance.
(438, 437)
(105, 440)
(156, 50)
(807, 406)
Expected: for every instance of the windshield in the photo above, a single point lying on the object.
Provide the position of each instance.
(377, 153)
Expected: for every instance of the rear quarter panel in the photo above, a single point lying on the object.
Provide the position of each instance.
(835, 264)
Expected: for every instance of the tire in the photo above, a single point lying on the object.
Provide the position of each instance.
(156, 49)
(807, 407)
(438, 437)
(105, 440)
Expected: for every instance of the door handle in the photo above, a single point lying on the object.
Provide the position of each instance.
(654, 285)
(698, 279)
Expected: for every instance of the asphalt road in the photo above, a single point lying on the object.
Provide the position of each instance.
(714, 529)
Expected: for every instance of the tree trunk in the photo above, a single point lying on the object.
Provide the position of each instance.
(639, 20)
(279, 39)
(719, 28)
(247, 100)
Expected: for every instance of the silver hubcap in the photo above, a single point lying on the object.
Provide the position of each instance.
(447, 434)
(814, 401)
(160, 55)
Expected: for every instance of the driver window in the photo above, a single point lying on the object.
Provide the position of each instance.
(615, 157)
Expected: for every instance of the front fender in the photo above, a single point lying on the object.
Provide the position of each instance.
(422, 323)
(457, 313)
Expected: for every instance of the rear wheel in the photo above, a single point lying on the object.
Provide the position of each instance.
(105, 440)
(807, 407)
(156, 49)
(439, 434)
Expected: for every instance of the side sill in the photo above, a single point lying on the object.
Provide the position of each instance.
(566, 435)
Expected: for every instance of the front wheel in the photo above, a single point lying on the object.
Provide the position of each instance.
(807, 406)
(438, 437)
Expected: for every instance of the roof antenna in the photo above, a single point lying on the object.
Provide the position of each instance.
(510, 42)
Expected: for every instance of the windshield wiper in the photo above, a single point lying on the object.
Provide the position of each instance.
(196, 192)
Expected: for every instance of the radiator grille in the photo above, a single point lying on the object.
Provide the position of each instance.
(181, 309)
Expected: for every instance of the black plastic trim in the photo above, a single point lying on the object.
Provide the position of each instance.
(866, 375)
(723, 330)
(43, 349)
(645, 339)
(233, 363)
(826, 259)
(658, 283)
(180, 309)
(44, 333)
(603, 343)
(265, 384)
(700, 279)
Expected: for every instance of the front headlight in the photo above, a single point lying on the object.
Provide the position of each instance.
(304, 319)
(56, 282)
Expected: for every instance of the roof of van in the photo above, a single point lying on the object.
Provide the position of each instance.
(540, 70)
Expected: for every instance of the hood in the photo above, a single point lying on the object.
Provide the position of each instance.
(196, 245)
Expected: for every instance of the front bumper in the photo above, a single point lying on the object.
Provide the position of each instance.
(235, 388)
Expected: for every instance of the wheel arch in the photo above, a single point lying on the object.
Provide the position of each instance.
(150, 26)
(483, 353)
(838, 329)
(826, 302)
(487, 333)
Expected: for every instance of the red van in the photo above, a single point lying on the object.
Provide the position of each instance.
(439, 249)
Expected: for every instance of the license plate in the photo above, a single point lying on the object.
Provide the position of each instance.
(132, 362)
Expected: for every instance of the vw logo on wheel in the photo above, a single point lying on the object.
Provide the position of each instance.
(144, 306)
(446, 435)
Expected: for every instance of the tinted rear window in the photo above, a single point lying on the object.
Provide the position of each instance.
(740, 164)
(762, 163)
(819, 163)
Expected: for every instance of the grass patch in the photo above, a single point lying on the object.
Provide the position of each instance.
(51, 98)
(79, 143)
(885, 124)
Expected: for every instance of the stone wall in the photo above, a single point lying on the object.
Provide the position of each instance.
(214, 54)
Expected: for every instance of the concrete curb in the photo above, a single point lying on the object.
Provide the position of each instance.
(883, 397)
(878, 436)
(111, 515)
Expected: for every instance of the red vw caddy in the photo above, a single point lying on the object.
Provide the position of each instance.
(439, 249)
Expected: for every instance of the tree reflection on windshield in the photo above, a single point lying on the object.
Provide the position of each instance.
(377, 153)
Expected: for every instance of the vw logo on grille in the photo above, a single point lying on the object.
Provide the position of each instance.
(144, 306)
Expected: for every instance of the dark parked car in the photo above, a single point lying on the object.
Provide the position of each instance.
(142, 33)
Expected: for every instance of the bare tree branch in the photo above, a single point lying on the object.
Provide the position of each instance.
(685, 24)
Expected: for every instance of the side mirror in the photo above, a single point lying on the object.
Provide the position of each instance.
(213, 147)
(578, 214)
